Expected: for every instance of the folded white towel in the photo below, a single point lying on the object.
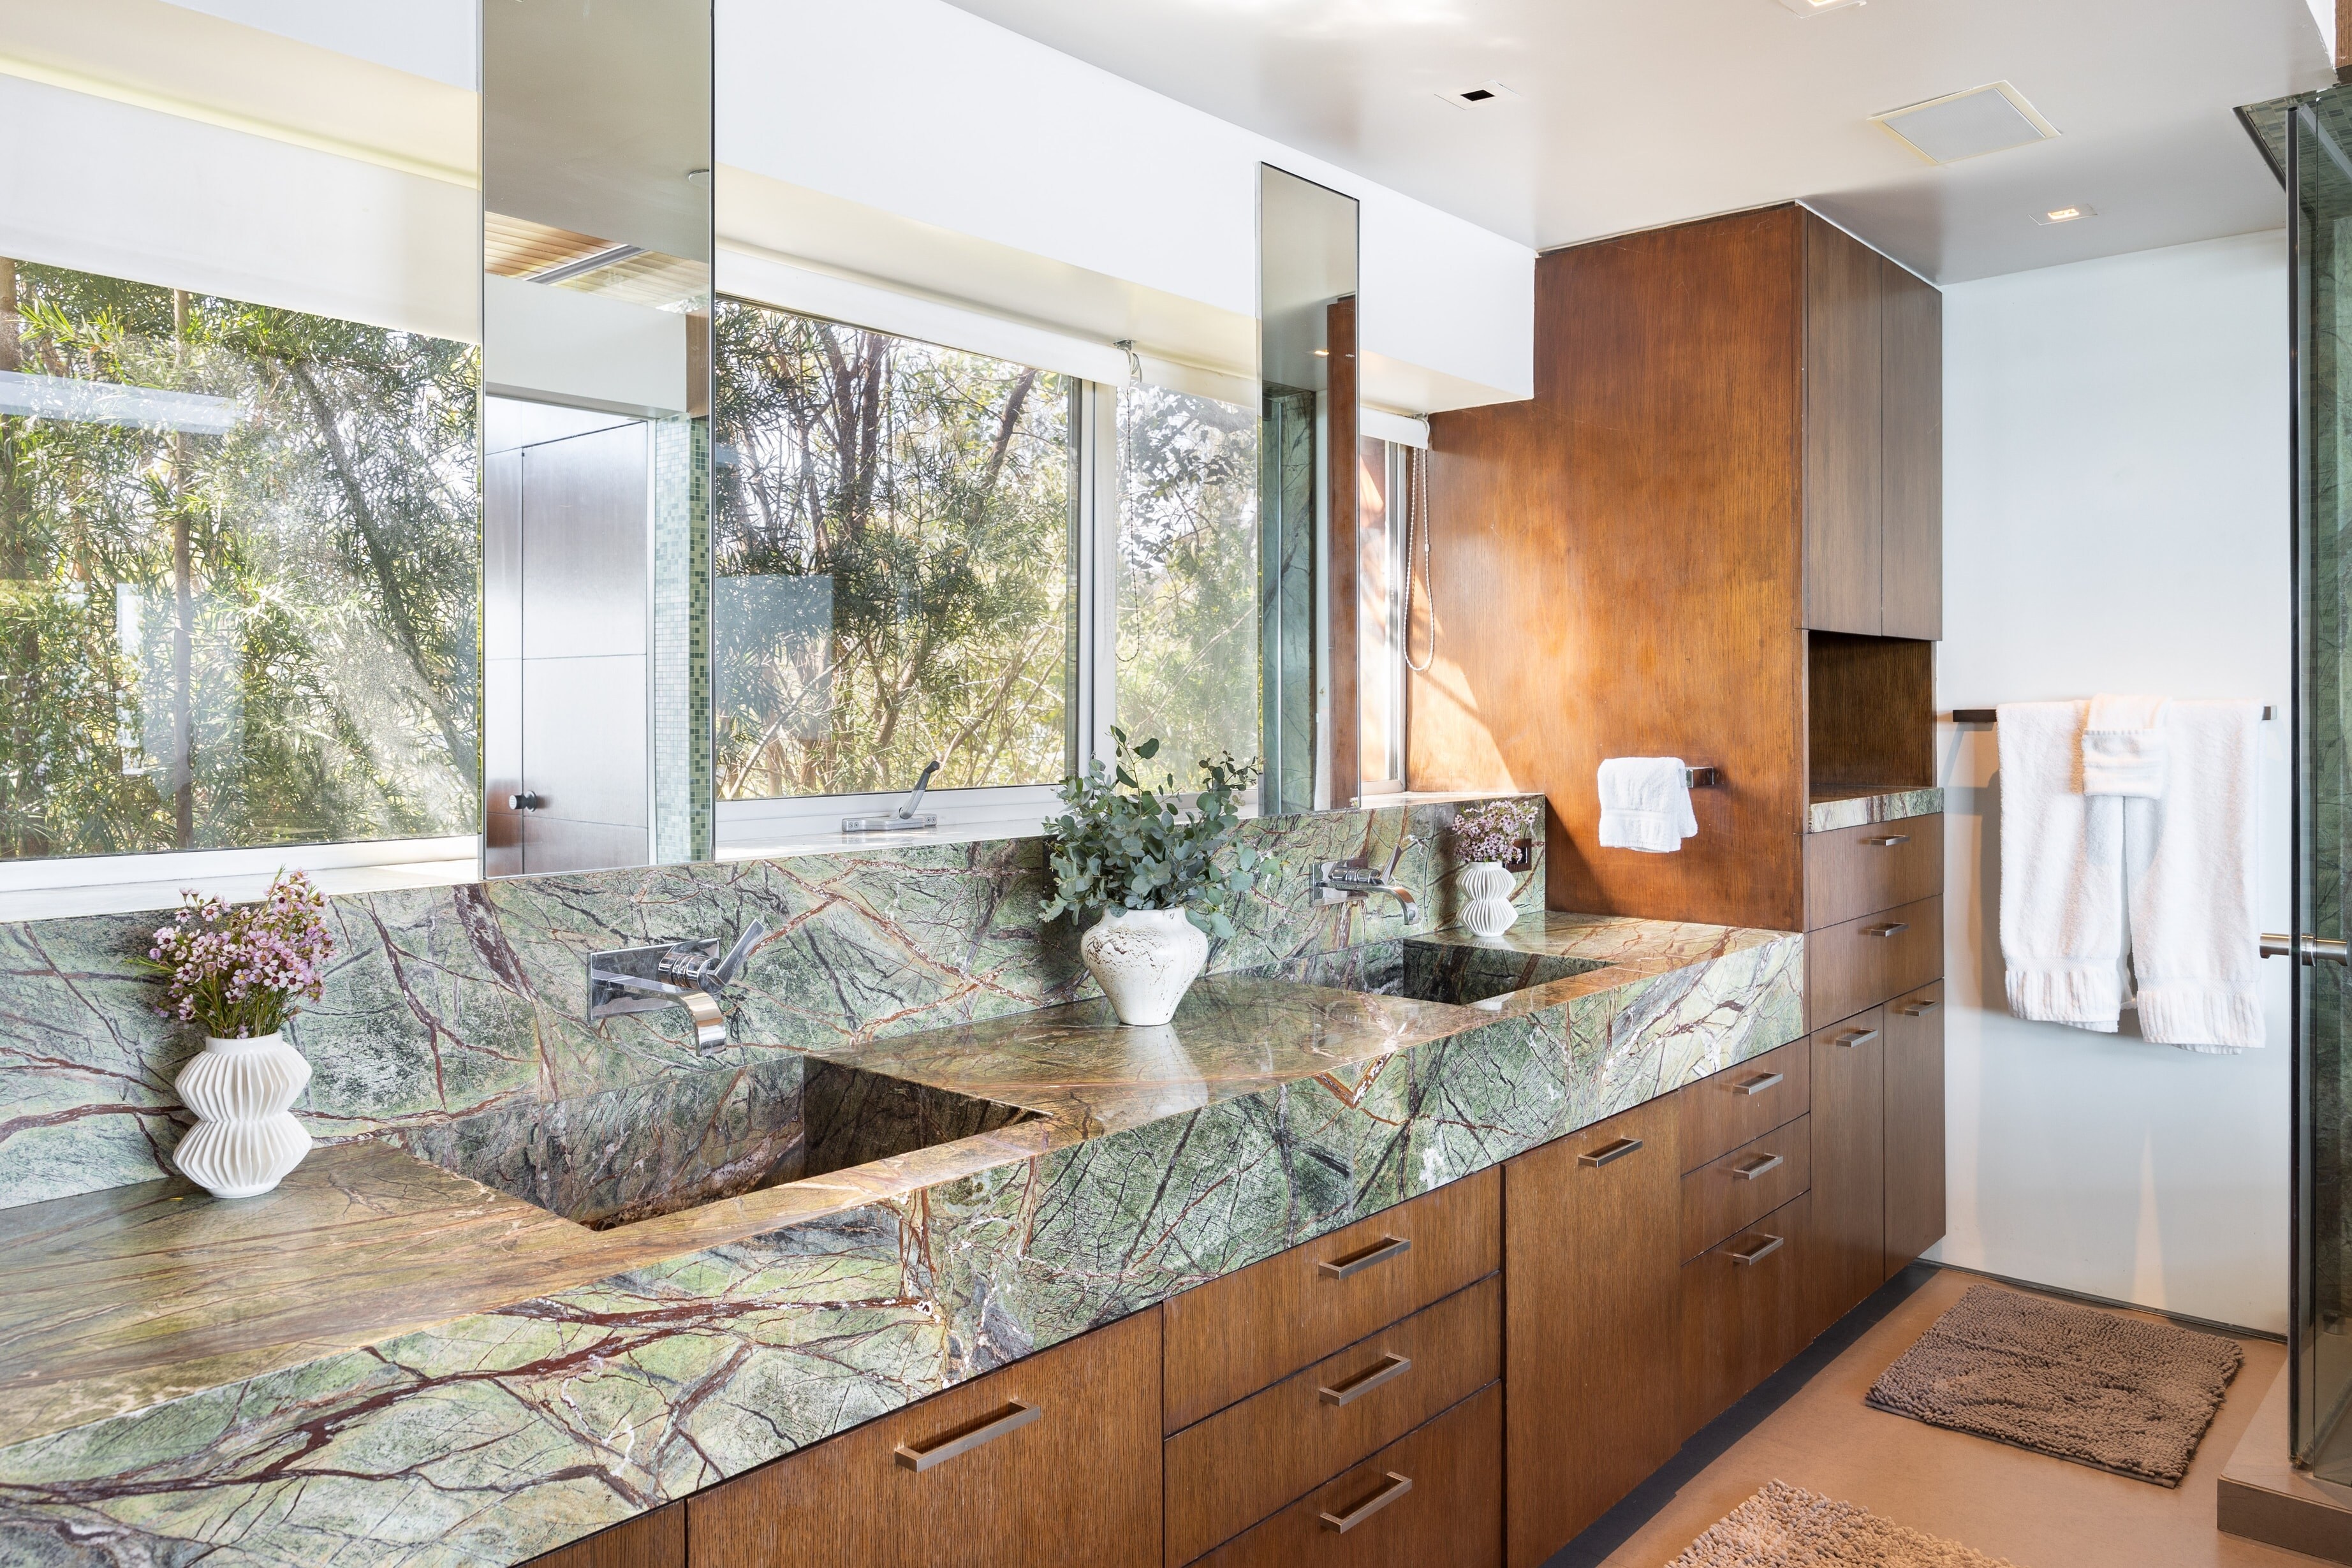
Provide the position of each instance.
(2195, 944)
(2123, 747)
(1645, 804)
(2062, 873)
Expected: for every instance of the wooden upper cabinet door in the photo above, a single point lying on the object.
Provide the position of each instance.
(656, 1539)
(1591, 1334)
(1913, 448)
(1053, 1460)
(1849, 1213)
(1843, 354)
(1915, 1124)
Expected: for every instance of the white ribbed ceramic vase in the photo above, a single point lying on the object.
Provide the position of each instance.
(246, 1138)
(1487, 886)
(1145, 960)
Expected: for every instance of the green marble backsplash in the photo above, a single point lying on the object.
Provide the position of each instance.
(453, 1018)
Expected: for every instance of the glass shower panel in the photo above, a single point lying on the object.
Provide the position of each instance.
(2320, 226)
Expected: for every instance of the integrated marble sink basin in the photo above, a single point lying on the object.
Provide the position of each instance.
(694, 1137)
(1453, 972)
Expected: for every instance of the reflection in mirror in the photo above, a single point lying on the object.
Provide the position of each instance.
(596, 298)
(1308, 492)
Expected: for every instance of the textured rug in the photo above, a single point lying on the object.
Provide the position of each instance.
(1788, 1527)
(2079, 1383)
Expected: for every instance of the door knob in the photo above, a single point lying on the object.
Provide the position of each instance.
(528, 800)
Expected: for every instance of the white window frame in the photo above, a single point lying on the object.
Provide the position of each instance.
(69, 885)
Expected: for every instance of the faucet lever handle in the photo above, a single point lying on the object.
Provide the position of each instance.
(733, 965)
(1404, 842)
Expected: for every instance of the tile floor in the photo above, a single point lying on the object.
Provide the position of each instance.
(1810, 1427)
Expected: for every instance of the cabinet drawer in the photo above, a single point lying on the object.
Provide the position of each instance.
(1915, 1124)
(1742, 1308)
(1744, 1186)
(1865, 962)
(1078, 1483)
(1442, 1487)
(656, 1539)
(1860, 871)
(1732, 1107)
(1232, 1337)
(1226, 1473)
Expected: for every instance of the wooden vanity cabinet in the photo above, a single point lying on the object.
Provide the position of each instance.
(656, 1539)
(1914, 1126)
(1848, 1255)
(1746, 1310)
(1077, 1482)
(1591, 1224)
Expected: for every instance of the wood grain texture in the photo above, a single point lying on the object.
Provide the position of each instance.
(1452, 1517)
(1912, 455)
(656, 1539)
(1849, 1128)
(1855, 871)
(1915, 1124)
(1843, 365)
(1234, 1336)
(1718, 1201)
(1225, 1474)
(1079, 1486)
(1848, 968)
(1716, 1117)
(1870, 710)
(1340, 592)
(1591, 1325)
(1742, 1322)
(1617, 570)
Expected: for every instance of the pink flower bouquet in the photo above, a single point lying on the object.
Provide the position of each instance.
(239, 969)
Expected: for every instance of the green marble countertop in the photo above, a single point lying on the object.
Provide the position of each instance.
(122, 1302)
(1835, 806)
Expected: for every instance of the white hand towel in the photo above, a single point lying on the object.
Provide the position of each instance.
(1645, 804)
(2195, 943)
(2062, 873)
(2123, 747)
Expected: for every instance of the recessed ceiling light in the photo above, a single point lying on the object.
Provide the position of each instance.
(1988, 118)
(1486, 92)
(1815, 7)
(2066, 215)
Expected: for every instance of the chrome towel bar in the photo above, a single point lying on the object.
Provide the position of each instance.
(1992, 716)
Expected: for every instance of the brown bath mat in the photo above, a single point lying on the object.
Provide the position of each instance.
(1788, 1527)
(2079, 1383)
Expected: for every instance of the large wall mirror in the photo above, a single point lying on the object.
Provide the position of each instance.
(567, 448)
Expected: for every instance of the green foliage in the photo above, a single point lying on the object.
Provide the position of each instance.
(1126, 844)
(260, 636)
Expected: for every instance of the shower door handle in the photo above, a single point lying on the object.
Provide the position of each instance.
(2314, 948)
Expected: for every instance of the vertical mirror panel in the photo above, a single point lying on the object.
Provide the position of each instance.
(596, 310)
(1308, 494)
(2321, 229)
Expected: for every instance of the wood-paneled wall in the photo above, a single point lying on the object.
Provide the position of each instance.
(1662, 451)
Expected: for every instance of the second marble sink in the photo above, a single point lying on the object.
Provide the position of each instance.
(685, 1138)
(1459, 972)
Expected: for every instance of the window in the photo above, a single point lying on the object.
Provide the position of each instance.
(238, 570)
(923, 553)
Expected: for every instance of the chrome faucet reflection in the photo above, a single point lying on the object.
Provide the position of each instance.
(1338, 880)
(684, 974)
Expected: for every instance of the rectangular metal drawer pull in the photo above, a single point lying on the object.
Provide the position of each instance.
(1889, 929)
(1858, 1037)
(1889, 842)
(1758, 1167)
(1920, 1010)
(1771, 1244)
(1388, 1369)
(1615, 1150)
(1379, 1251)
(1016, 1416)
(1757, 1084)
(1343, 1522)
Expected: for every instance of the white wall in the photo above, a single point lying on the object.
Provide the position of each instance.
(2115, 519)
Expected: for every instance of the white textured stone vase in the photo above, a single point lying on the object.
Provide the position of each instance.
(246, 1138)
(1145, 960)
(1487, 886)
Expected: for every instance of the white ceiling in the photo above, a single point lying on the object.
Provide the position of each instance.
(1631, 115)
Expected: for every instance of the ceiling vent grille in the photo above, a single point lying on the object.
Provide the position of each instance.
(1989, 119)
(1484, 94)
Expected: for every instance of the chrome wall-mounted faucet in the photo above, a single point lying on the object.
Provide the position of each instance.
(907, 818)
(1340, 879)
(681, 974)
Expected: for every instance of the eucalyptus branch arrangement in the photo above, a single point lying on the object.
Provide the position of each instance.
(1128, 842)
